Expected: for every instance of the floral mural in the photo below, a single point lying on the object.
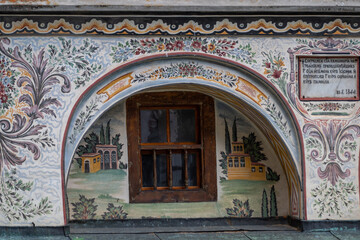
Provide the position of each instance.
(42, 79)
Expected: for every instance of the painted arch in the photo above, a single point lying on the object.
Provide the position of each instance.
(231, 82)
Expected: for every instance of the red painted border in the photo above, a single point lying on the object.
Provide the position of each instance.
(327, 98)
(163, 56)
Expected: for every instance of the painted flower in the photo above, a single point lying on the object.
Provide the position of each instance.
(169, 46)
(276, 73)
(204, 48)
(196, 44)
(267, 65)
(161, 47)
(267, 71)
(179, 44)
(2, 88)
(211, 47)
(280, 63)
(3, 98)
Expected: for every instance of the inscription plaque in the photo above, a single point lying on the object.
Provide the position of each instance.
(329, 78)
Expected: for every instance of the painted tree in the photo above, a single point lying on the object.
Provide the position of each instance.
(116, 142)
(254, 148)
(272, 175)
(90, 146)
(223, 163)
(227, 139)
(264, 205)
(107, 133)
(273, 204)
(84, 209)
(240, 209)
(114, 213)
(102, 135)
(234, 131)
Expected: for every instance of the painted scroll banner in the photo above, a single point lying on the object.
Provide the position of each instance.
(329, 78)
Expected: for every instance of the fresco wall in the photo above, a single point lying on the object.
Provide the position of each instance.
(54, 88)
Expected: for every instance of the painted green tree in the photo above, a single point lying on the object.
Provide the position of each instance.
(223, 163)
(272, 175)
(84, 209)
(90, 146)
(102, 135)
(264, 205)
(254, 148)
(273, 204)
(240, 209)
(116, 142)
(234, 131)
(227, 139)
(114, 213)
(107, 133)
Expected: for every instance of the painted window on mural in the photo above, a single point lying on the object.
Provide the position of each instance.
(171, 148)
(236, 162)
(242, 162)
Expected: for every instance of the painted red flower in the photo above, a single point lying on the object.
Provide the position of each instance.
(3, 98)
(267, 65)
(179, 44)
(196, 44)
(169, 46)
(204, 48)
(2, 88)
(276, 73)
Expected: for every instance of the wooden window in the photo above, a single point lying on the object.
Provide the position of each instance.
(171, 143)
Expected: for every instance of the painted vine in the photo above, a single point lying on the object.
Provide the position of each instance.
(40, 74)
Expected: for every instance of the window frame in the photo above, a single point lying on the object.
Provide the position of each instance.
(207, 190)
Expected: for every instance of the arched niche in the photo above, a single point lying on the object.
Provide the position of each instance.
(240, 87)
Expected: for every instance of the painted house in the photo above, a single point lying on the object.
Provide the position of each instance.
(109, 156)
(241, 167)
(90, 162)
(179, 80)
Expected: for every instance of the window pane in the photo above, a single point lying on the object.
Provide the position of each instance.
(182, 125)
(178, 170)
(147, 170)
(153, 126)
(161, 170)
(192, 169)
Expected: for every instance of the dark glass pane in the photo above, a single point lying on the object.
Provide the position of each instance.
(182, 125)
(161, 170)
(153, 126)
(192, 169)
(147, 170)
(178, 170)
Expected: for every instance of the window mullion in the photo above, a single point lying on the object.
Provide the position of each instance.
(154, 169)
(186, 168)
(170, 171)
(168, 125)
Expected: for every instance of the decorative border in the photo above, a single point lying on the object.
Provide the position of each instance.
(323, 26)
